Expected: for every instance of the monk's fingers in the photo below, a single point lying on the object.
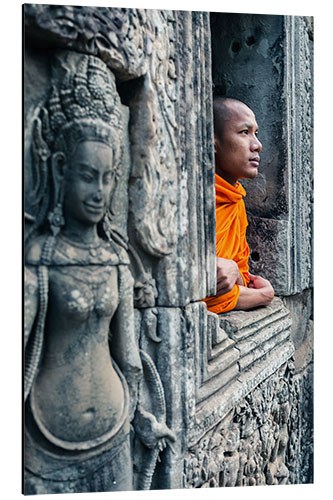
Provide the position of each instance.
(221, 275)
(224, 286)
(222, 281)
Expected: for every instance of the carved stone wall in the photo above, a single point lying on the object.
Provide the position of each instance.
(250, 419)
(226, 386)
(164, 204)
(161, 60)
(259, 442)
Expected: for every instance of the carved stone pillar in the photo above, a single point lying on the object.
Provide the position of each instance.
(171, 223)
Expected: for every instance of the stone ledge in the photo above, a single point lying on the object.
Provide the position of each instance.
(214, 408)
(259, 343)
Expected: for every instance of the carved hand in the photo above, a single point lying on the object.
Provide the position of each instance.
(152, 432)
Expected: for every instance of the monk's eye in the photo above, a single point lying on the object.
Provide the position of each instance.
(245, 131)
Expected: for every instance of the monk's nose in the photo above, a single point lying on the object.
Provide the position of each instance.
(256, 145)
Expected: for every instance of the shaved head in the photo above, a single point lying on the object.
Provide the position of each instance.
(236, 143)
(222, 112)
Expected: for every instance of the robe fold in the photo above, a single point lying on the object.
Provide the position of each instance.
(231, 223)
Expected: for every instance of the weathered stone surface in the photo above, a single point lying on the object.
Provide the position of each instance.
(301, 311)
(298, 142)
(247, 432)
(188, 272)
(269, 242)
(199, 358)
(116, 35)
(301, 447)
(160, 332)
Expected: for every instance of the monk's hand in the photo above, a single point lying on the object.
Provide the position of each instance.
(227, 276)
(264, 288)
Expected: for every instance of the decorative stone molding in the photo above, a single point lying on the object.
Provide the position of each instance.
(118, 36)
(298, 137)
(186, 274)
(210, 367)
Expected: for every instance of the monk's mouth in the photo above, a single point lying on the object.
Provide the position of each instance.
(255, 161)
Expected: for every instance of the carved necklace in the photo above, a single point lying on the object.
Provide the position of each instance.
(69, 252)
(93, 248)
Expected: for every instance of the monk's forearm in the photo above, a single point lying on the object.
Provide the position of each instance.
(240, 280)
(252, 297)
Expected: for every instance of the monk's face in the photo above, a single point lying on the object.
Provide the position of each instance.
(237, 151)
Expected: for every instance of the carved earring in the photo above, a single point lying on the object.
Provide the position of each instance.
(56, 217)
(56, 222)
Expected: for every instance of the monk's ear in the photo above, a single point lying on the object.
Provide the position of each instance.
(215, 143)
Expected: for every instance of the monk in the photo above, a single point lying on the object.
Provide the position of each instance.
(237, 156)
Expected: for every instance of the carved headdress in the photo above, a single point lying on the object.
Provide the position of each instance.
(83, 105)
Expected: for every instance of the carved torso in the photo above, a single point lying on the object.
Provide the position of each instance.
(78, 397)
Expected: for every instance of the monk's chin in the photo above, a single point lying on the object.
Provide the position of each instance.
(250, 175)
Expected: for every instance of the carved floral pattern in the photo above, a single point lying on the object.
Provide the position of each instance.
(116, 35)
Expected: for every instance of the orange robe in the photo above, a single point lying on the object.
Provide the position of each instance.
(231, 223)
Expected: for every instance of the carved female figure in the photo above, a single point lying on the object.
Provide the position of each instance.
(82, 364)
